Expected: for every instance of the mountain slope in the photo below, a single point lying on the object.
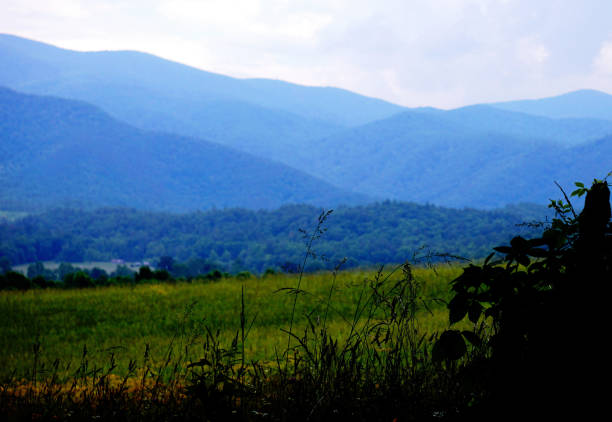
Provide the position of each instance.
(586, 103)
(416, 157)
(157, 94)
(56, 152)
(380, 233)
(448, 158)
(455, 158)
(531, 177)
(566, 131)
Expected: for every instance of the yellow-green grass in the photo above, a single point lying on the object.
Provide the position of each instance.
(124, 320)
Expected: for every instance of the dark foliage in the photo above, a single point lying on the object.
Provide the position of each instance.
(14, 280)
(548, 306)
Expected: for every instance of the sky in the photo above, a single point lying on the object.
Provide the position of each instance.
(440, 53)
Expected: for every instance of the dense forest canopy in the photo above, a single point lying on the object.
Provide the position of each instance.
(239, 239)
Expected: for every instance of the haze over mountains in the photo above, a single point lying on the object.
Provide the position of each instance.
(155, 94)
(220, 135)
(448, 158)
(57, 152)
(586, 103)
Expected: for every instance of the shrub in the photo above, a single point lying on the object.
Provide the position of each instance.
(80, 279)
(545, 302)
(144, 273)
(14, 280)
(244, 275)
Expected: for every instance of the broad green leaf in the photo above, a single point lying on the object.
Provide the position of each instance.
(474, 311)
(523, 260)
(503, 249)
(450, 346)
(519, 243)
(471, 337)
(538, 252)
(457, 308)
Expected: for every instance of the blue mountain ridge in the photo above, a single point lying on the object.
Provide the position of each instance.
(475, 156)
(58, 152)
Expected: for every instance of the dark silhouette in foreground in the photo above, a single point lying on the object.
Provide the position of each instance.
(545, 353)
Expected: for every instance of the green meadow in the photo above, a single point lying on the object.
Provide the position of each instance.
(124, 321)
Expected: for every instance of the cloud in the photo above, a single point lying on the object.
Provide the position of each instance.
(246, 20)
(57, 9)
(603, 61)
(532, 52)
(443, 53)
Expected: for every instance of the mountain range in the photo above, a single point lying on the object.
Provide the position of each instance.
(448, 158)
(254, 115)
(586, 103)
(135, 129)
(58, 152)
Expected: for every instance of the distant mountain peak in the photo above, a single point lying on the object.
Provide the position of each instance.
(55, 151)
(583, 103)
(79, 75)
(585, 91)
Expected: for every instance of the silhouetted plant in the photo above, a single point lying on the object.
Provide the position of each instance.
(542, 306)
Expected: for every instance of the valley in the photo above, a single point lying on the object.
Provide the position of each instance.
(180, 244)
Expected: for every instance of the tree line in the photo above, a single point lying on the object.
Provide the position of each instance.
(234, 240)
(67, 275)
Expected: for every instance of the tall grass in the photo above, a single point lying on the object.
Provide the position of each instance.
(127, 318)
(354, 338)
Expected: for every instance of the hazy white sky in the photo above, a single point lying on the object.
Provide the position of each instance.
(443, 53)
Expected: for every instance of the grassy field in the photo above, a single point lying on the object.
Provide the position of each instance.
(125, 320)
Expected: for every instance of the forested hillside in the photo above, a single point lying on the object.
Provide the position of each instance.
(237, 239)
(153, 93)
(56, 152)
(465, 157)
